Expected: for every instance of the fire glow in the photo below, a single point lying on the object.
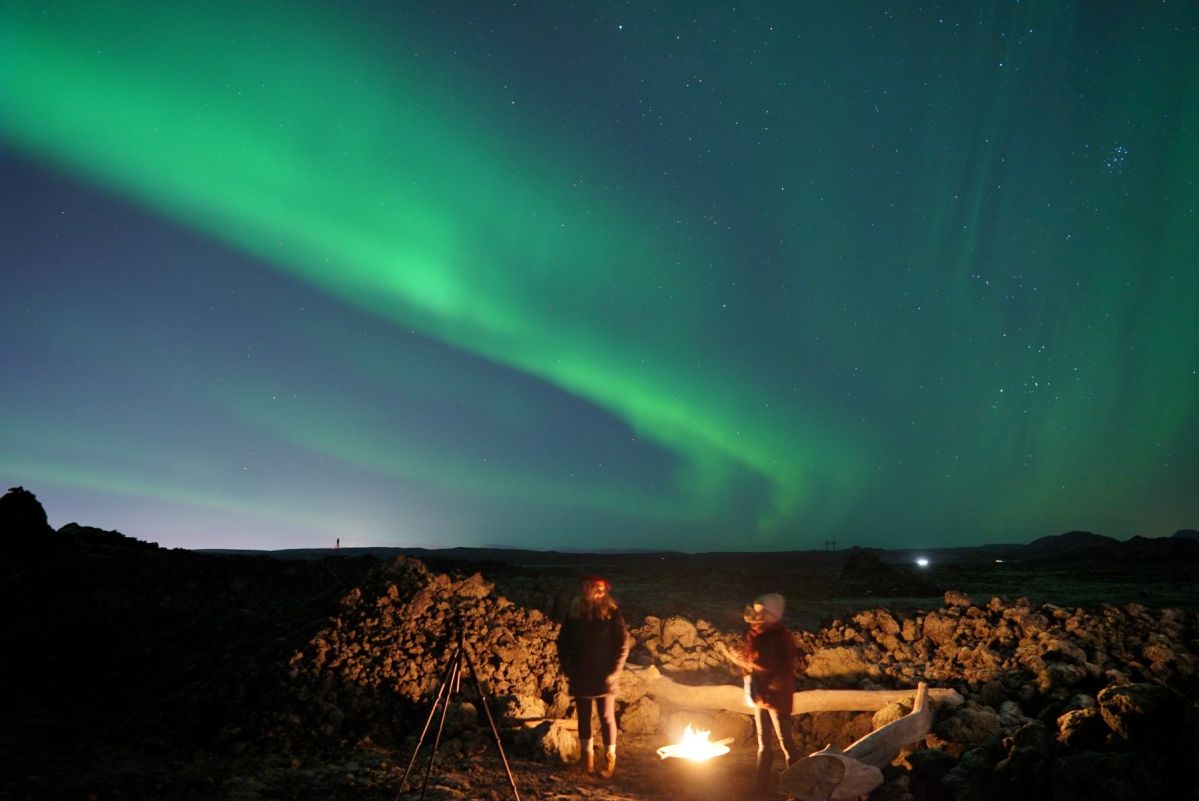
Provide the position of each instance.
(695, 746)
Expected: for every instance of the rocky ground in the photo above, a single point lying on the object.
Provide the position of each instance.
(146, 673)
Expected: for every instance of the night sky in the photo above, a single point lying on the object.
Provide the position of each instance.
(601, 275)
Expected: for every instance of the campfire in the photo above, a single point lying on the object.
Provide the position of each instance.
(695, 746)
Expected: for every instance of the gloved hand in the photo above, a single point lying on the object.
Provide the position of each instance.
(749, 696)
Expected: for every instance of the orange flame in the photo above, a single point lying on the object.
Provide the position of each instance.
(695, 746)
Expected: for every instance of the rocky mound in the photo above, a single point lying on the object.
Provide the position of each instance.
(369, 670)
(21, 510)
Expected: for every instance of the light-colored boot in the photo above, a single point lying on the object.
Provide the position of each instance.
(609, 763)
(588, 747)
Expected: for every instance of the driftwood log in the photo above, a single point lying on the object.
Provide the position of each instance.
(829, 774)
(835, 775)
(732, 698)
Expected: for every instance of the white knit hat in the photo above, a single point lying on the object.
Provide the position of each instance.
(772, 604)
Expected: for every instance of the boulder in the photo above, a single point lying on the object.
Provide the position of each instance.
(1026, 769)
(890, 713)
(973, 777)
(460, 716)
(840, 729)
(1144, 715)
(651, 626)
(1082, 729)
(969, 724)
(678, 630)
(559, 705)
(939, 628)
(877, 619)
(1060, 675)
(634, 683)
(1011, 717)
(555, 740)
(513, 708)
(842, 663)
(641, 717)
(958, 599)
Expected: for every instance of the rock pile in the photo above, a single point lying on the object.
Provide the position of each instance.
(385, 652)
(678, 645)
(1003, 648)
(1041, 683)
(1060, 704)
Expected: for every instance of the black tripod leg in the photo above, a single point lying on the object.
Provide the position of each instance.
(495, 732)
(441, 691)
(455, 678)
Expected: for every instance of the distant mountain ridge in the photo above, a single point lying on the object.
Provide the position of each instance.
(1072, 541)
(1086, 545)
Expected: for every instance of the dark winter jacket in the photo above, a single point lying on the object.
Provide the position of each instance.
(772, 651)
(592, 654)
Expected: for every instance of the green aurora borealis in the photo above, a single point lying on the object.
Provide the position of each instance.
(561, 277)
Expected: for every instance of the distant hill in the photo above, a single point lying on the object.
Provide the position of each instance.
(1096, 548)
(1186, 534)
(1072, 542)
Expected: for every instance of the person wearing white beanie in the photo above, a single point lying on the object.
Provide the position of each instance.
(769, 666)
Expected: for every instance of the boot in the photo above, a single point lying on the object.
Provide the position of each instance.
(609, 763)
(588, 747)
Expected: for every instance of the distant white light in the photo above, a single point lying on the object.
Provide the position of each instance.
(999, 561)
(922, 561)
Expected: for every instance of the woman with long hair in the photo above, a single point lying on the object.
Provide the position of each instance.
(592, 647)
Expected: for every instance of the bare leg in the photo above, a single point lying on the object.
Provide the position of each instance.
(764, 724)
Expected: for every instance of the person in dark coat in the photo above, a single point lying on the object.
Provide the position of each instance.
(769, 668)
(592, 647)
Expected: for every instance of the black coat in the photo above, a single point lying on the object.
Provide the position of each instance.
(592, 654)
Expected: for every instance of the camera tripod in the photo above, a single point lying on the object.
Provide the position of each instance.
(451, 682)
